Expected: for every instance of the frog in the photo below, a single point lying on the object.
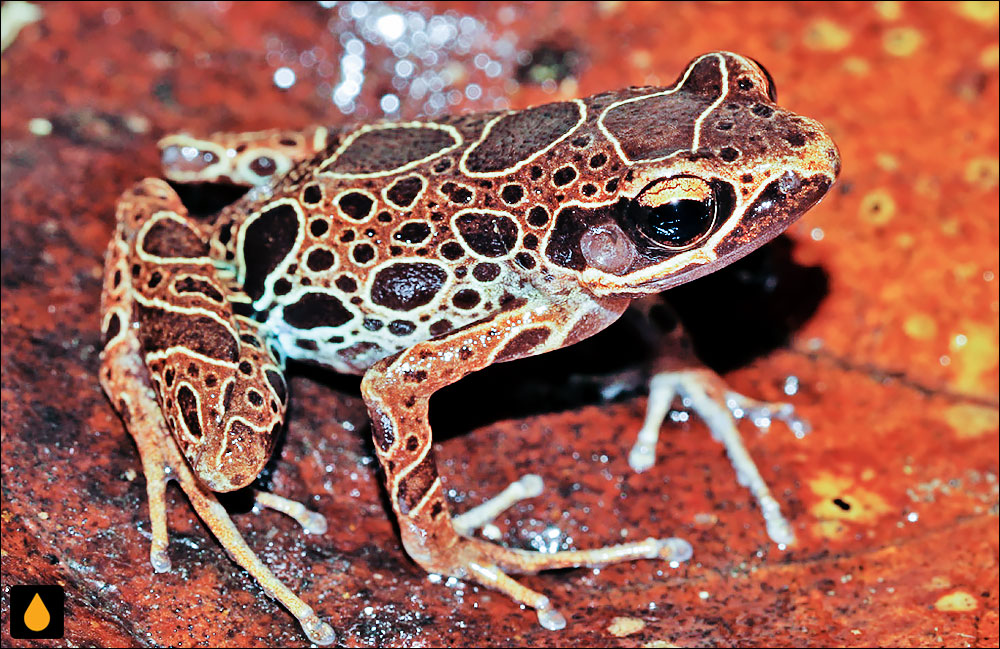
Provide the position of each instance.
(414, 253)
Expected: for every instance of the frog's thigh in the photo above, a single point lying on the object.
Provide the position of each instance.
(151, 349)
(397, 390)
(678, 372)
(250, 158)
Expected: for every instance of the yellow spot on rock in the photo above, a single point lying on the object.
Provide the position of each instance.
(983, 172)
(862, 505)
(857, 66)
(877, 207)
(902, 41)
(969, 420)
(623, 626)
(641, 59)
(889, 10)
(938, 582)
(660, 644)
(977, 358)
(920, 326)
(990, 57)
(957, 602)
(981, 12)
(886, 161)
(826, 35)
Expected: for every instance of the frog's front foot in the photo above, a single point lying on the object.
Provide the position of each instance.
(707, 394)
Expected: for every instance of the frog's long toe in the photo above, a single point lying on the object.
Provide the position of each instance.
(311, 522)
(705, 393)
(488, 564)
(528, 486)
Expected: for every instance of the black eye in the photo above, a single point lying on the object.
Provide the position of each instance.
(772, 89)
(678, 224)
(676, 213)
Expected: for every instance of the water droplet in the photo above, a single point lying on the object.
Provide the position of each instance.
(284, 78)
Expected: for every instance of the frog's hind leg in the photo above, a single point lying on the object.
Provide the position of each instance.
(188, 377)
(252, 158)
(397, 391)
(678, 373)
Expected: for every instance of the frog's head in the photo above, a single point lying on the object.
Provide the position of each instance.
(714, 169)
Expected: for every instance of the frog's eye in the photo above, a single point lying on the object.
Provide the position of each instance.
(772, 89)
(675, 213)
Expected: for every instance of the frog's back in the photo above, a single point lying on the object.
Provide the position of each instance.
(400, 232)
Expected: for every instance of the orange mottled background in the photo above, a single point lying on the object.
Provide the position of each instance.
(894, 495)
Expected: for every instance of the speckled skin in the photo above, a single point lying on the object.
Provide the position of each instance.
(419, 252)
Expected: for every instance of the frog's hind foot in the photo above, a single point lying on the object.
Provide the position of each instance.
(705, 392)
(217, 520)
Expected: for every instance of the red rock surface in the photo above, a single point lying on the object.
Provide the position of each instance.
(888, 293)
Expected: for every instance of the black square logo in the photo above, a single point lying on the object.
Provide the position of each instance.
(37, 612)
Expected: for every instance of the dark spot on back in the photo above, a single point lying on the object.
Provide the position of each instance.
(486, 271)
(564, 176)
(316, 310)
(312, 194)
(319, 259)
(405, 190)
(412, 232)
(268, 240)
(538, 216)
(490, 235)
(401, 327)
(405, 286)
(512, 194)
(452, 251)
(356, 205)
(466, 298)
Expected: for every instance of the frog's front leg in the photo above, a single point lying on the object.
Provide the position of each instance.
(195, 384)
(677, 372)
(397, 390)
(251, 158)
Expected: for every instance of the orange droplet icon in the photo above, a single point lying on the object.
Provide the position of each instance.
(36, 617)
